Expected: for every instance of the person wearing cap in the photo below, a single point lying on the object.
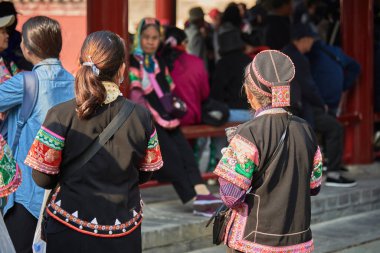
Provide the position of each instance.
(199, 36)
(270, 211)
(308, 103)
(7, 67)
(149, 77)
(13, 52)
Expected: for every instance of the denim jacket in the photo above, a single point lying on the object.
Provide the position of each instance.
(56, 85)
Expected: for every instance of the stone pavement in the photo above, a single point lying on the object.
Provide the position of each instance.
(341, 218)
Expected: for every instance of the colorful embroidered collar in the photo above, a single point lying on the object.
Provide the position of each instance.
(113, 92)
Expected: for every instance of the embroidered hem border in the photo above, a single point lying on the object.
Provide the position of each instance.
(42, 167)
(89, 228)
(152, 167)
(236, 241)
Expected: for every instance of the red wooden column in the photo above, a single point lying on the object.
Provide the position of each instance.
(112, 16)
(357, 32)
(166, 11)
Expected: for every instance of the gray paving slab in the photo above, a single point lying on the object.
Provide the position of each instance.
(371, 247)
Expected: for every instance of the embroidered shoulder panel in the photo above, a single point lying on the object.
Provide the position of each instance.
(240, 160)
(316, 174)
(153, 158)
(45, 155)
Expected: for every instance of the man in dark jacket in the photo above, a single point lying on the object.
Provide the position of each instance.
(310, 104)
(334, 73)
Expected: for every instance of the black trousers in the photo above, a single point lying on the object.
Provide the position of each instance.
(333, 137)
(180, 167)
(21, 226)
(62, 239)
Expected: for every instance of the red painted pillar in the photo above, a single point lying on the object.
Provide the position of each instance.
(166, 11)
(112, 16)
(357, 32)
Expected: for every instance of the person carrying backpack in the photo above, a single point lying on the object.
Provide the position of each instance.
(41, 45)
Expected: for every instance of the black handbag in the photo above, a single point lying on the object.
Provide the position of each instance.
(172, 104)
(222, 215)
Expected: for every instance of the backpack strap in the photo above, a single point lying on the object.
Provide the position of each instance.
(28, 103)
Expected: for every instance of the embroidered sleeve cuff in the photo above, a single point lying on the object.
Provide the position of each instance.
(45, 154)
(232, 177)
(316, 174)
(153, 158)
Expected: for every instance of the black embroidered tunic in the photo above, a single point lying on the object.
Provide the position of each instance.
(103, 198)
(275, 215)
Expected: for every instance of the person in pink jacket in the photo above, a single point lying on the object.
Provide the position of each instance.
(188, 73)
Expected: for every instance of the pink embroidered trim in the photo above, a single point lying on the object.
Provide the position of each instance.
(255, 85)
(226, 173)
(164, 123)
(235, 239)
(52, 133)
(41, 167)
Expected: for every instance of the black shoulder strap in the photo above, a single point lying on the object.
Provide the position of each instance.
(105, 135)
(28, 102)
(270, 160)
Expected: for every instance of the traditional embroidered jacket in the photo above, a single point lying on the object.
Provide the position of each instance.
(275, 215)
(142, 91)
(103, 199)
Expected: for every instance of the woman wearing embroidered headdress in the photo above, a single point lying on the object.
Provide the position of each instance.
(274, 216)
(97, 207)
(147, 72)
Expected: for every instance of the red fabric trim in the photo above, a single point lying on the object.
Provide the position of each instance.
(93, 234)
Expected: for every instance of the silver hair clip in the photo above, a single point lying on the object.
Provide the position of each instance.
(91, 64)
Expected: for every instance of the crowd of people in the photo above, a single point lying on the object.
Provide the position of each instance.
(276, 66)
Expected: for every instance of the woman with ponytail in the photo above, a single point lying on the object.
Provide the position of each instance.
(97, 207)
(147, 72)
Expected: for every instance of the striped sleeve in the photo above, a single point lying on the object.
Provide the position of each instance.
(316, 174)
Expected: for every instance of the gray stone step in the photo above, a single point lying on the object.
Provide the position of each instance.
(352, 234)
(169, 226)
